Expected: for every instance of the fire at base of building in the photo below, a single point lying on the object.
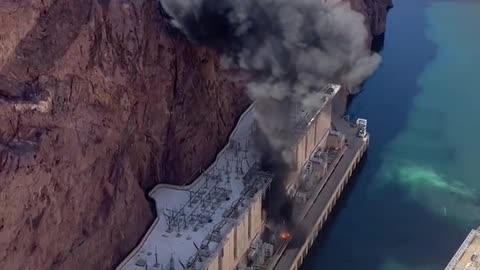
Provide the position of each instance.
(218, 222)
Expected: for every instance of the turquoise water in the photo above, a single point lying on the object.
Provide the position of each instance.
(418, 192)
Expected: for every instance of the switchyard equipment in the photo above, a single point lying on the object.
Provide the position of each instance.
(210, 223)
(215, 222)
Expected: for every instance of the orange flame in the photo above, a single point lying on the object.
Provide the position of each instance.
(285, 235)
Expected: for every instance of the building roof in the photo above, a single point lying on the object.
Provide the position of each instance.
(302, 119)
(467, 256)
(193, 220)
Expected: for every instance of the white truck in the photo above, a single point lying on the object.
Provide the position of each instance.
(361, 127)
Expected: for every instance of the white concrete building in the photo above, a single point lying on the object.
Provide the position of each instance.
(311, 133)
(213, 222)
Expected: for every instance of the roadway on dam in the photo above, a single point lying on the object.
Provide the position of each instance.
(320, 204)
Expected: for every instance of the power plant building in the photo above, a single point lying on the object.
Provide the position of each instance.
(216, 222)
(311, 130)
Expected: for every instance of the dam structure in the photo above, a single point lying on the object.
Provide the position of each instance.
(467, 256)
(219, 221)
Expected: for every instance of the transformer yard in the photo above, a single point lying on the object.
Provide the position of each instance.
(219, 223)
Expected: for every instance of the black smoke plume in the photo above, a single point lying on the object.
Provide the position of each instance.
(291, 48)
(278, 204)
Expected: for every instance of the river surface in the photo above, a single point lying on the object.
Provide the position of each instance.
(417, 194)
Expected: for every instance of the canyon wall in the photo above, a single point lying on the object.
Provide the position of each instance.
(375, 12)
(99, 101)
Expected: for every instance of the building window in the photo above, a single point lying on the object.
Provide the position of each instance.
(220, 261)
(305, 153)
(307, 147)
(249, 225)
(235, 244)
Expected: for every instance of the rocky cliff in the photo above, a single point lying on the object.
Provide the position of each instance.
(99, 101)
(375, 12)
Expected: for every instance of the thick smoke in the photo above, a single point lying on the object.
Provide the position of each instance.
(292, 49)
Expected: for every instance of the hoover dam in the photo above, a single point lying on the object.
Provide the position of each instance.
(219, 222)
(100, 102)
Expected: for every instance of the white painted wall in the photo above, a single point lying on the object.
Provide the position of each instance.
(226, 259)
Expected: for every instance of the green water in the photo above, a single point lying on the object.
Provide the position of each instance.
(436, 157)
(418, 193)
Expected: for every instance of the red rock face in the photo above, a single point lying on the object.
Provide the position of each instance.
(375, 12)
(98, 103)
